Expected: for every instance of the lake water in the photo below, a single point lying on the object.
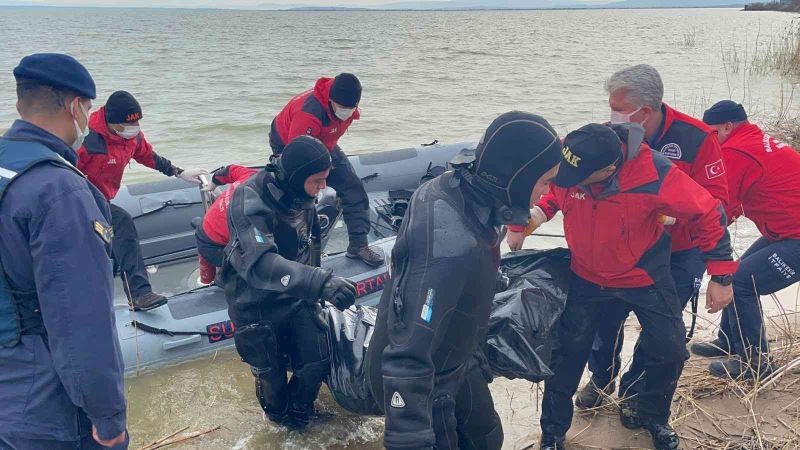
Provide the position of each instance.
(210, 82)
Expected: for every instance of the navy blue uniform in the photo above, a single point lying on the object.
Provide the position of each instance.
(55, 386)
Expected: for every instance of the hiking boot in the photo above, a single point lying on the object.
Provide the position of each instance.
(551, 443)
(712, 349)
(735, 369)
(148, 301)
(629, 414)
(591, 396)
(366, 254)
(664, 437)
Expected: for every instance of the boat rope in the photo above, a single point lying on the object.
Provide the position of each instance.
(153, 330)
(166, 205)
(695, 299)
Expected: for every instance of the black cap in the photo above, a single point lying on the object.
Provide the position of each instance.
(723, 112)
(587, 150)
(57, 70)
(516, 150)
(303, 157)
(346, 90)
(121, 107)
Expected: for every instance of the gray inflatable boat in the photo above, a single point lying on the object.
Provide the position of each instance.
(195, 321)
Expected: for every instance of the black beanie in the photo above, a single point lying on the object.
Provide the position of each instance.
(303, 157)
(723, 112)
(516, 150)
(346, 90)
(121, 107)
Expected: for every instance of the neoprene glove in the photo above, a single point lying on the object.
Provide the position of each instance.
(339, 291)
(192, 175)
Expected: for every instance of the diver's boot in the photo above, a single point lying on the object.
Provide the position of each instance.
(366, 254)
(591, 396)
(551, 443)
(273, 402)
(148, 301)
(664, 437)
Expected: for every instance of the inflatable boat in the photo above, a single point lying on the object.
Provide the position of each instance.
(195, 320)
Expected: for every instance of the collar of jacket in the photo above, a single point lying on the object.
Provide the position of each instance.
(24, 130)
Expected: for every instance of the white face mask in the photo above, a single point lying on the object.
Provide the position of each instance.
(343, 113)
(81, 134)
(619, 118)
(129, 131)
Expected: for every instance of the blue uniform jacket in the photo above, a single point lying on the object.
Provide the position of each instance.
(48, 244)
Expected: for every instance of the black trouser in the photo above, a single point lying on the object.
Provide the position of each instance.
(349, 188)
(265, 337)
(687, 269)
(127, 254)
(460, 409)
(661, 344)
(208, 249)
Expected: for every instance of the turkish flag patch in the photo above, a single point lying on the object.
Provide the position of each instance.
(715, 169)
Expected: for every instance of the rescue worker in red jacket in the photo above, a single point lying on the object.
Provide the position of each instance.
(114, 139)
(612, 189)
(213, 235)
(765, 187)
(636, 95)
(325, 113)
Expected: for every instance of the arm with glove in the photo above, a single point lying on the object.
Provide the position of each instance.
(541, 212)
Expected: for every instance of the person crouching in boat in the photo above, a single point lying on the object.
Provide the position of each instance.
(273, 282)
(212, 236)
(114, 138)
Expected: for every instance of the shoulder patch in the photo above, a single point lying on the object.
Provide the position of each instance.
(672, 150)
(105, 233)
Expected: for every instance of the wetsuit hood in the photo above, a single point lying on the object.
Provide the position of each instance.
(303, 157)
(514, 152)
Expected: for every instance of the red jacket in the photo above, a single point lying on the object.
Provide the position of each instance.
(694, 148)
(614, 232)
(310, 113)
(215, 222)
(764, 180)
(104, 155)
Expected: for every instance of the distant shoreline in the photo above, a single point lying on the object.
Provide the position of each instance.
(343, 9)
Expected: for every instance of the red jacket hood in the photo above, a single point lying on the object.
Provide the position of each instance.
(97, 123)
(322, 91)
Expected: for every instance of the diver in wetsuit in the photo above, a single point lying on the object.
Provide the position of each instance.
(273, 282)
(424, 363)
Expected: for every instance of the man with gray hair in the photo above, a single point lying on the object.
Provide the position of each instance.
(635, 94)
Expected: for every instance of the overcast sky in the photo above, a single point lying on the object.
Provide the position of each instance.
(216, 3)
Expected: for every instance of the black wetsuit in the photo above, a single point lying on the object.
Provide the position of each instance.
(271, 280)
(424, 363)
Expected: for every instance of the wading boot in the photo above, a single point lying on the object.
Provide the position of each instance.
(734, 368)
(148, 301)
(592, 396)
(551, 443)
(366, 254)
(664, 437)
(712, 349)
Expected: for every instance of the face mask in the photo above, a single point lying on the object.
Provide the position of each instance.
(81, 134)
(343, 113)
(619, 118)
(129, 132)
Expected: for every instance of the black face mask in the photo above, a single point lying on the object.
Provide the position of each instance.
(516, 150)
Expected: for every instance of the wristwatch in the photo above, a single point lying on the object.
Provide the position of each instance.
(724, 280)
